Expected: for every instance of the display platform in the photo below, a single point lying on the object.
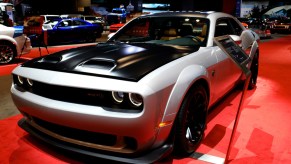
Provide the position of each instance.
(263, 133)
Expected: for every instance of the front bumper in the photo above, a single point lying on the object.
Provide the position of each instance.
(149, 157)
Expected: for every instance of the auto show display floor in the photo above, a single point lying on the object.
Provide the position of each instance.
(262, 136)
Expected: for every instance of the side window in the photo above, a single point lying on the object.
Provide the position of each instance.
(78, 23)
(236, 27)
(65, 23)
(223, 27)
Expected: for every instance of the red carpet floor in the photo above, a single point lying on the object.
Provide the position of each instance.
(262, 136)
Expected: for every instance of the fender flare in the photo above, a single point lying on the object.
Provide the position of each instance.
(185, 81)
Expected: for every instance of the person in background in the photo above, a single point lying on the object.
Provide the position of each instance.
(7, 21)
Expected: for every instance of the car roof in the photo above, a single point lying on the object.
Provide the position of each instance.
(201, 14)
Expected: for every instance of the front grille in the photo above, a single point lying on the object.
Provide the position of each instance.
(74, 95)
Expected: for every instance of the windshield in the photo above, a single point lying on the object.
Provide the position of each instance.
(182, 31)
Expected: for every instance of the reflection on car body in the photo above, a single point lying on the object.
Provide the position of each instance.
(137, 96)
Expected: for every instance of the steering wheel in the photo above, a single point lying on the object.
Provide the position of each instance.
(194, 38)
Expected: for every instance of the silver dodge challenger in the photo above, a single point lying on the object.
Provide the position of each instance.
(140, 95)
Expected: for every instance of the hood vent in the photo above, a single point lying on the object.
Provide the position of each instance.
(101, 64)
(51, 59)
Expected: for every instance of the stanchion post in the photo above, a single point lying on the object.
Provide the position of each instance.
(241, 59)
(238, 113)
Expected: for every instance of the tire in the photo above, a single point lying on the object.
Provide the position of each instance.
(191, 121)
(255, 70)
(7, 52)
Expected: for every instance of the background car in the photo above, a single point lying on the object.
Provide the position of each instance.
(63, 31)
(281, 25)
(68, 16)
(261, 30)
(115, 27)
(51, 17)
(260, 27)
(13, 43)
(143, 93)
(94, 19)
(117, 15)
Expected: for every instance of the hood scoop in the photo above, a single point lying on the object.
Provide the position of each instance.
(96, 65)
(103, 64)
(51, 59)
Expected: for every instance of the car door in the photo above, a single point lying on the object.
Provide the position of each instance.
(227, 72)
(62, 32)
(81, 30)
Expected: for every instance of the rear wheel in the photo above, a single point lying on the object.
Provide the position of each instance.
(191, 121)
(7, 52)
(255, 70)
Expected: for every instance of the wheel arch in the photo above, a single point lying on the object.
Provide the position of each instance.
(11, 41)
(188, 78)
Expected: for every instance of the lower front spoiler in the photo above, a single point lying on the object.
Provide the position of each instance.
(151, 157)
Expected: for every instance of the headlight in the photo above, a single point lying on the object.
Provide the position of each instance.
(127, 100)
(20, 80)
(23, 82)
(29, 82)
(135, 99)
(118, 97)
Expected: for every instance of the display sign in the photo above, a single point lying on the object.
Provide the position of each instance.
(33, 25)
(9, 11)
(227, 44)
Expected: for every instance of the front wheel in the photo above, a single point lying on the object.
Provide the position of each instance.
(191, 121)
(7, 52)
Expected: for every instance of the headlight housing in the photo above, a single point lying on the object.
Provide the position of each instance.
(118, 97)
(23, 82)
(135, 99)
(117, 101)
(123, 98)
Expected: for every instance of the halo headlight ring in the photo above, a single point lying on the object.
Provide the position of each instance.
(135, 99)
(20, 79)
(118, 97)
(29, 82)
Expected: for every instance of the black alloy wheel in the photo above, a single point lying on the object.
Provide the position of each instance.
(191, 121)
(255, 70)
(7, 52)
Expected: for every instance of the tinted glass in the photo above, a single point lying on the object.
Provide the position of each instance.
(165, 30)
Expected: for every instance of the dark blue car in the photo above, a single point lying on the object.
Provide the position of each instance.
(64, 31)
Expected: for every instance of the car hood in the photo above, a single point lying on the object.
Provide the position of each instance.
(115, 60)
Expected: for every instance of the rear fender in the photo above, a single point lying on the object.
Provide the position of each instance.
(253, 52)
